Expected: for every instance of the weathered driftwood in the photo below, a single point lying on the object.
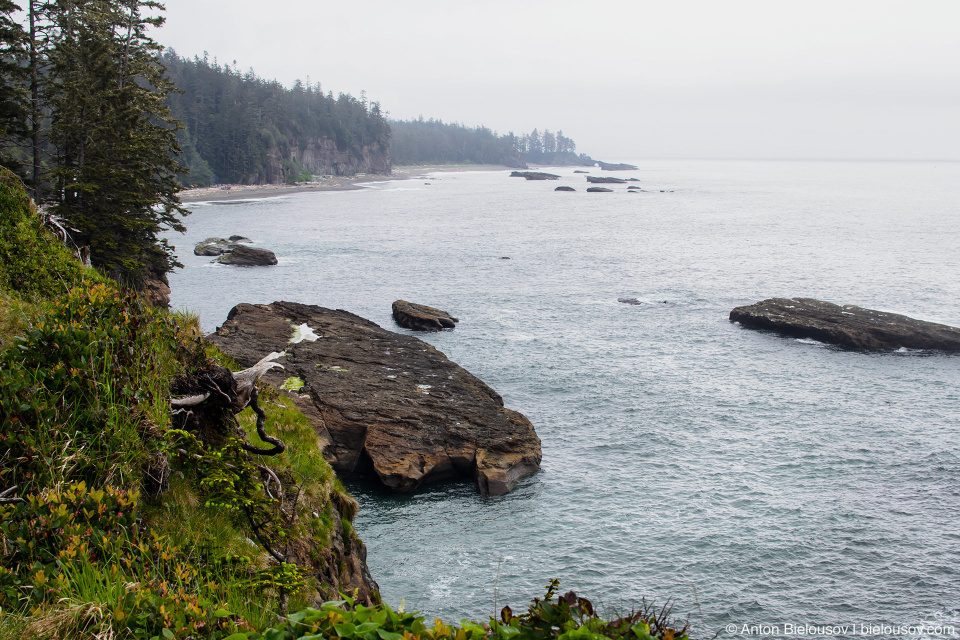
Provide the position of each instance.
(6, 498)
(236, 393)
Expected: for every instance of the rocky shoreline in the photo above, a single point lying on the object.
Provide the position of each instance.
(387, 407)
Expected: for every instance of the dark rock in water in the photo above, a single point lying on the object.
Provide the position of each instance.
(534, 175)
(386, 406)
(598, 190)
(633, 179)
(240, 239)
(214, 247)
(605, 180)
(613, 166)
(564, 189)
(632, 187)
(420, 317)
(244, 256)
(848, 326)
(628, 300)
(504, 257)
(581, 171)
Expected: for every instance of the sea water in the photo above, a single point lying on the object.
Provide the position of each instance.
(744, 477)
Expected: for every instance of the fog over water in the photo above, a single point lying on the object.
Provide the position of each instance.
(625, 79)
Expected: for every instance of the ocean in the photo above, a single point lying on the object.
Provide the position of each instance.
(743, 477)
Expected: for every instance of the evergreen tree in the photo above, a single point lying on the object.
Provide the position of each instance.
(13, 97)
(115, 172)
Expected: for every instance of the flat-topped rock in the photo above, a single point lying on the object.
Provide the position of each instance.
(420, 317)
(599, 190)
(388, 407)
(847, 325)
(564, 188)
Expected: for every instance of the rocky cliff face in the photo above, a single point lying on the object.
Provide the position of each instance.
(340, 567)
(320, 156)
(390, 407)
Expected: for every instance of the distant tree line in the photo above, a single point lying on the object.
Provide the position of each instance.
(436, 142)
(240, 128)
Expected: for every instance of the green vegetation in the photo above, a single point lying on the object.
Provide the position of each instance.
(436, 142)
(83, 116)
(242, 129)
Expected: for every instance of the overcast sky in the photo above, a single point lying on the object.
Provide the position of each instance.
(625, 79)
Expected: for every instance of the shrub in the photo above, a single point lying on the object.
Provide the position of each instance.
(35, 264)
(83, 392)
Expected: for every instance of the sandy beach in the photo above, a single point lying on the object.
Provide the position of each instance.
(225, 192)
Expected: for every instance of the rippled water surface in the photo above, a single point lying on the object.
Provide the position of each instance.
(747, 477)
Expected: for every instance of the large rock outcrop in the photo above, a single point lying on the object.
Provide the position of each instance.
(847, 325)
(389, 407)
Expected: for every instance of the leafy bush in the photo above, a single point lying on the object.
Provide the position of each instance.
(83, 392)
(35, 264)
(85, 545)
(567, 618)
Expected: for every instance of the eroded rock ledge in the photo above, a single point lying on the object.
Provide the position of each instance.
(849, 326)
(389, 407)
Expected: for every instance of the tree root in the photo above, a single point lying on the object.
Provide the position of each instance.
(278, 445)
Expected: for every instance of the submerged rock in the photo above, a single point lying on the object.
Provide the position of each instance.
(387, 407)
(581, 171)
(564, 189)
(244, 256)
(847, 325)
(628, 300)
(598, 190)
(420, 317)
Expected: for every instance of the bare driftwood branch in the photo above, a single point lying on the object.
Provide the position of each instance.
(247, 379)
(221, 389)
(6, 498)
(189, 401)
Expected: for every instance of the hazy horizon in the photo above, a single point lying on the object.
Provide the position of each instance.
(625, 80)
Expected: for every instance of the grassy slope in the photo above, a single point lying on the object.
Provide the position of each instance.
(86, 375)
